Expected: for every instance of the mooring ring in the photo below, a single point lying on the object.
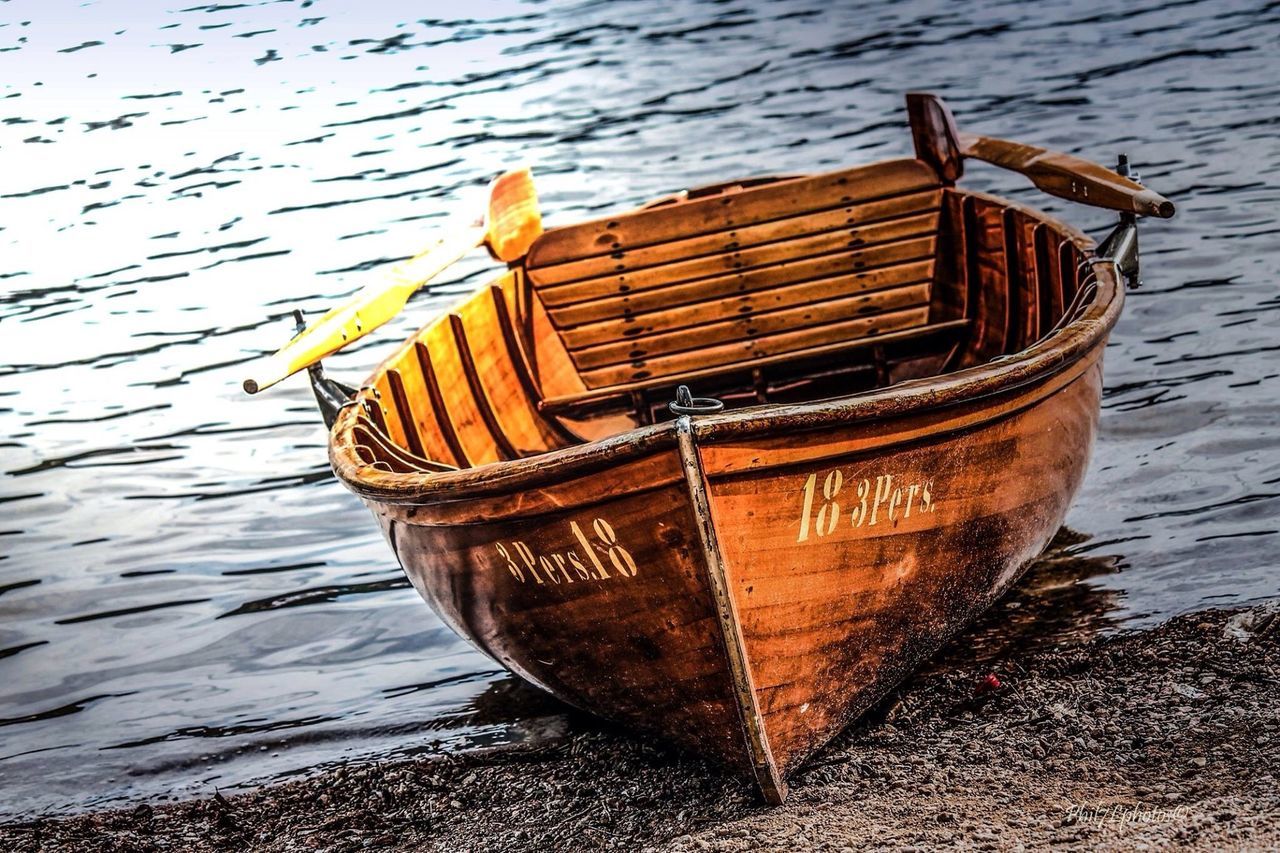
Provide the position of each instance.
(687, 404)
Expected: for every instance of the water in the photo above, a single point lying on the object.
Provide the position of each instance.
(187, 596)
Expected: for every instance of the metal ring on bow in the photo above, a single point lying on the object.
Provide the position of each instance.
(687, 404)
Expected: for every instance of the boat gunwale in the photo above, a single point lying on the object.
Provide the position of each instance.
(1041, 360)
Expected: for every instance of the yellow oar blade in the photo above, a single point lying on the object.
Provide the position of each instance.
(514, 218)
(365, 311)
(511, 224)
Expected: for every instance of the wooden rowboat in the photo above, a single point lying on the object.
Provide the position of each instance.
(898, 387)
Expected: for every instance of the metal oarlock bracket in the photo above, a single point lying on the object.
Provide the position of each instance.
(1121, 245)
(687, 404)
(331, 395)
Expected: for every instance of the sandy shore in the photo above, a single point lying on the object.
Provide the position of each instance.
(1160, 739)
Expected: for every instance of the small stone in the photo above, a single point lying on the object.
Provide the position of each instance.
(1188, 691)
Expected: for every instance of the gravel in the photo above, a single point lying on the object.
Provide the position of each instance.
(1163, 739)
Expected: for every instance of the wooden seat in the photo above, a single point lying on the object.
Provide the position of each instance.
(948, 332)
(749, 277)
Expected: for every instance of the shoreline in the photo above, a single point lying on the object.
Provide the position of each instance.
(1157, 737)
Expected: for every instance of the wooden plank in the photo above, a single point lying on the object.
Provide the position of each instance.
(947, 330)
(554, 370)
(1028, 282)
(459, 405)
(855, 218)
(761, 758)
(432, 383)
(551, 431)
(934, 132)
(404, 410)
(886, 239)
(478, 392)
(377, 451)
(635, 305)
(397, 458)
(1068, 267)
(392, 424)
(737, 305)
(1013, 340)
(758, 324)
(425, 422)
(717, 213)
(373, 410)
(951, 297)
(747, 351)
(984, 229)
(504, 377)
(1051, 301)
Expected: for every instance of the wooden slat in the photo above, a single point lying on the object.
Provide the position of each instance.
(758, 325)
(947, 330)
(384, 451)
(1012, 284)
(374, 411)
(1051, 301)
(555, 432)
(1067, 270)
(636, 305)
(413, 441)
(889, 239)
(553, 369)
(460, 406)
(984, 231)
(951, 298)
(854, 218)
(434, 394)
(1028, 281)
(717, 213)
(741, 306)
(425, 424)
(478, 393)
(392, 423)
(761, 347)
(376, 450)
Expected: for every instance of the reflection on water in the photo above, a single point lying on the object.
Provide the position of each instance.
(188, 598)
(1059, 602)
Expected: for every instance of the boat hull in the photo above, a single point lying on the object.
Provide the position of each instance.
(751, 601)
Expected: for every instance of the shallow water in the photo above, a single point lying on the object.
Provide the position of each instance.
(187, 596)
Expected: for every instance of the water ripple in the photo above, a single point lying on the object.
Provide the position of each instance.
(178, 178)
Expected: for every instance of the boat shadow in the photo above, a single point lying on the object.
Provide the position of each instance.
(1053, 605)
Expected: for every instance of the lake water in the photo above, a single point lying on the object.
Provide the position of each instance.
(189, 599)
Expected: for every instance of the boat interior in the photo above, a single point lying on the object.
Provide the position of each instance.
(770, 290)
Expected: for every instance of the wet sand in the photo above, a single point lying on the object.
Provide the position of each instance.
(1159, 739)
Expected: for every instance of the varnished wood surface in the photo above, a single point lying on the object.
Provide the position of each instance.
(627, 631)
(1066, 176)
(731, 277)
(744, 583)
(940, 144)
(933, 130)
(721, 213)
(838, 602)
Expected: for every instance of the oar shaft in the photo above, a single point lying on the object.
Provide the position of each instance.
(364, 311)
(1067, 176)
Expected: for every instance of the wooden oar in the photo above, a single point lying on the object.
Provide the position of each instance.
(508, 227)
(942, 146)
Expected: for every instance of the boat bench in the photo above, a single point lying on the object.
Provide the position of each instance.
(695, 287)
